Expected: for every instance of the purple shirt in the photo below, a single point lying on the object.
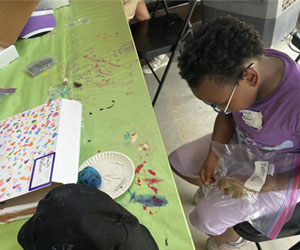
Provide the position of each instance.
(273, 123)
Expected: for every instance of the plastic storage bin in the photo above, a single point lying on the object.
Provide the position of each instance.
(274, 19)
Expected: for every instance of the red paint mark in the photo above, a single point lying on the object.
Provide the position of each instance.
(153, 188)
(152, 180)
(138, 181)
(101, 72)
(16, 186)
(112, 64)
(152, 213)
(34, 127)
(145, 207)
(156, 201)
(151, 172)
(138, 168)
(98, 151)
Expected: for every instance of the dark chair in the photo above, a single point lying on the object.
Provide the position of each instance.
(292, 227)
(154, 5)
(296, 42)
(162, 35)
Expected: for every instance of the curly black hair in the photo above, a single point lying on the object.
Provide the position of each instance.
(219, 50)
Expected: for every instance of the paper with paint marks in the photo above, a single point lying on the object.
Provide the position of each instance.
(30, 140)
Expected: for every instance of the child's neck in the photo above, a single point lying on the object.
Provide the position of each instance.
(271, 70)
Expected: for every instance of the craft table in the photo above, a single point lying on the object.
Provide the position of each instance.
(93, 45)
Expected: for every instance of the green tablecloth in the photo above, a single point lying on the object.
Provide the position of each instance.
(92, 45)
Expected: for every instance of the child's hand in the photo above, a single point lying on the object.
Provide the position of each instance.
(208, 169)
(234, 186)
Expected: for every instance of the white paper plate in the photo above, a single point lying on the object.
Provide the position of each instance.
(116, 170)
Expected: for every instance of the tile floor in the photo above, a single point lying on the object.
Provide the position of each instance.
(183, 118)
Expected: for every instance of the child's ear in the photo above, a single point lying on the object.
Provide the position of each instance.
(250, 77)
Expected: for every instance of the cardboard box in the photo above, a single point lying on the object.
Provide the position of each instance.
(13, 16)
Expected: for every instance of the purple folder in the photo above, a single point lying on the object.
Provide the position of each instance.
(40, 21)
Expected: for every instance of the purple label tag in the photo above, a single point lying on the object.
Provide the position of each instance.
(41, 175)
(7, 90)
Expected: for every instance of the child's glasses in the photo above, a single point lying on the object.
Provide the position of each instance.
(226, 111)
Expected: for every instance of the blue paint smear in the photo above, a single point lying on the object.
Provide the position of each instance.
(148, 199)
(127, 136)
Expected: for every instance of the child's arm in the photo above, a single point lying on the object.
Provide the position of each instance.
(223, 131)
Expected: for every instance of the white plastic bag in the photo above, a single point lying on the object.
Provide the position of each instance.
(260, 183)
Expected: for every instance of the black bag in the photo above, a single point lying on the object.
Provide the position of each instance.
(78, 217)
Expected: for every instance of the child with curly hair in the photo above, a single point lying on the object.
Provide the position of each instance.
(256, 94)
